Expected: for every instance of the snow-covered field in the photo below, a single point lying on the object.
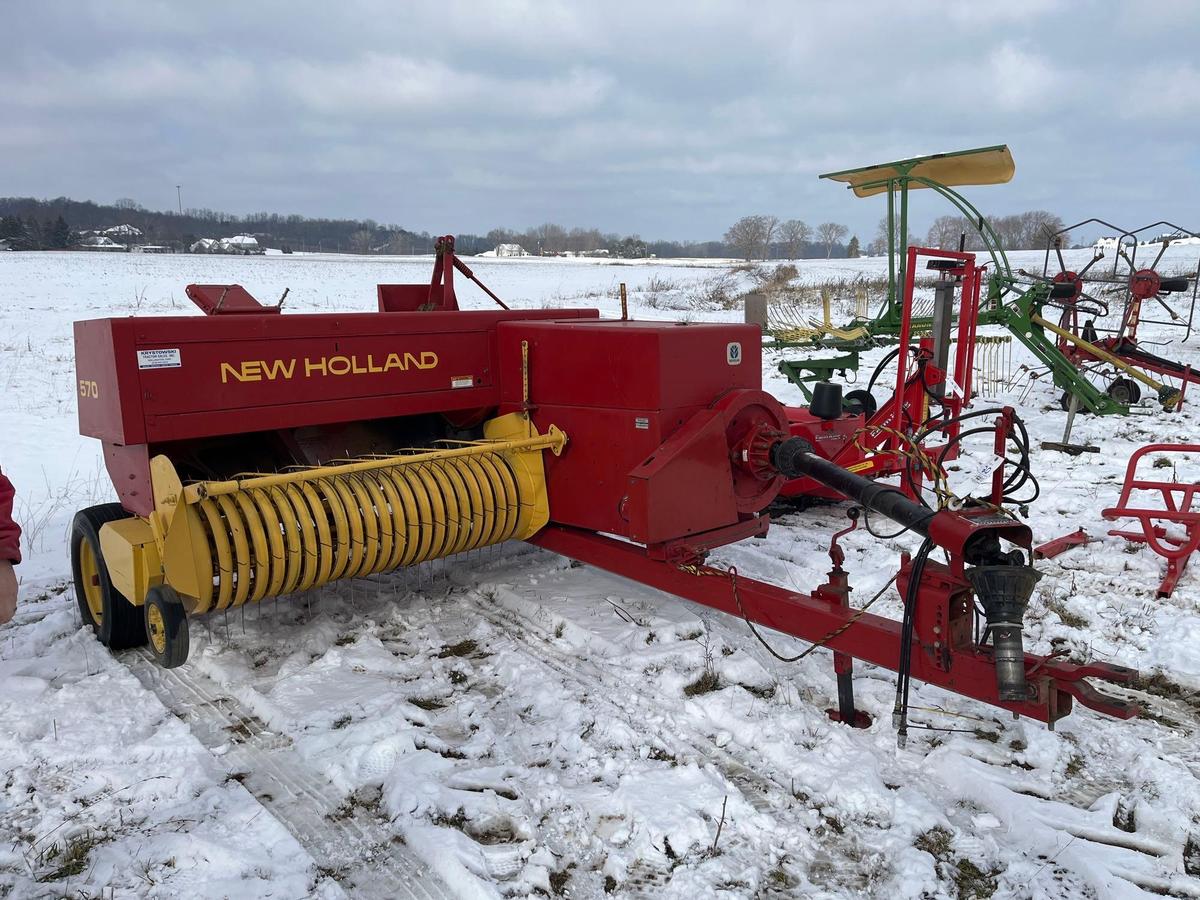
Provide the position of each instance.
(509, 723)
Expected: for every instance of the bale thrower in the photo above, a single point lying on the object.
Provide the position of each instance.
(258, 455)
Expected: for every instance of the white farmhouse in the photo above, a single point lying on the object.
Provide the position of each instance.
(506, 250)
(240, 243)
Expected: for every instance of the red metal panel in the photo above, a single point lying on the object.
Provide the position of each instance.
(619, 389)
(227, 300)
(629, 364)
(230, 374)
(129, 469)
(110, 404)
(589, 482)
(686, 486)
(182, 426)
(405, 297)
(236, 375)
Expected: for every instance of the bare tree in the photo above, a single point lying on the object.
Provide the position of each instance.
(498, 236)
(794, 234)
(546, 238)
(830, 233)
(1039, 227)
(741, 237)
(1010, 230)
(360, 241)
(945, 231)
(1028, 230)
(769, 226)
(750, 236)
(879, 246)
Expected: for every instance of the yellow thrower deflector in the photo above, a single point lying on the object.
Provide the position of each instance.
(983, 165)
(223, 544)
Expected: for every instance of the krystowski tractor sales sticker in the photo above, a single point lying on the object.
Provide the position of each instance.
(159, 359)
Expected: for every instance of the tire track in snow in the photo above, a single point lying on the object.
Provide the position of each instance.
(357, 851)
(1141, 863)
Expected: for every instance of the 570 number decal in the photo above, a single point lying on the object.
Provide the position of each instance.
(88, 389)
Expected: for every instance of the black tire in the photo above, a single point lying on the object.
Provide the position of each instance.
(117, 623)
(860, 401)
(1125, 391)
(1065, 403)
(166, 627)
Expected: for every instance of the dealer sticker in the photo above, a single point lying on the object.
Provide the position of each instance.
(159, 359)
(461, 381)
(733, 353)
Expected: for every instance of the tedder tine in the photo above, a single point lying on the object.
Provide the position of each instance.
(1095, 259)
(1166, 242)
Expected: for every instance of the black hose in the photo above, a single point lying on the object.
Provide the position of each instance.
(888, 357)
(875, 534)
(904, 669)
(1021, 473)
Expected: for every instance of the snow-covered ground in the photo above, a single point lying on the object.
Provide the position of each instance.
(509, 723)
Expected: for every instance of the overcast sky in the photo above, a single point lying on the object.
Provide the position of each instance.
(670, 120)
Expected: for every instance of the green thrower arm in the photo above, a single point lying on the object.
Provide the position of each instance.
(1019, 316)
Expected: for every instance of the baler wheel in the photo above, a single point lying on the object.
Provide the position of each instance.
(115, 620)
(166, 627)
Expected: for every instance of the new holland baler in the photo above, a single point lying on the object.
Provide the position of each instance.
(257, 455)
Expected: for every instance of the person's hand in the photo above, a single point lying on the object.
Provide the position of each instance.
(8, 591)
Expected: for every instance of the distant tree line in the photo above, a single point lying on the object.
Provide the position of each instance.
(30, 224)
(33, 233)
(181, 231)
(34, 224)
(766, 237)
(1028, 230)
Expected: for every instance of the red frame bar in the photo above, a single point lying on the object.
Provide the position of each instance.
(1178, 511)
(964, 355)
(1060, 545)
(947, 657)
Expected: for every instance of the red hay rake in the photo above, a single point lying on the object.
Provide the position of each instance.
(1177, 498)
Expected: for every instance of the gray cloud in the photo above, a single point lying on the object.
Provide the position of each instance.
(663, 118)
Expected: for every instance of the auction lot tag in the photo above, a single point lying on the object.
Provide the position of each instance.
(159, 359)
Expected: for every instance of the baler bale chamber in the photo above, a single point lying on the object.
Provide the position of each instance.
(257, 455)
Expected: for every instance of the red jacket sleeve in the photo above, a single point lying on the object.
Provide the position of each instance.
(10, 531)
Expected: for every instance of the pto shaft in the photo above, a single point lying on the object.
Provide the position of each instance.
(795, 457)
(1002, 583)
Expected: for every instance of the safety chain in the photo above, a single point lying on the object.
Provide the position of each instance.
(737, 599)
(915, 454)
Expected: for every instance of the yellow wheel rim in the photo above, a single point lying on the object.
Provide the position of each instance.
(89, 571)
(156, 628)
